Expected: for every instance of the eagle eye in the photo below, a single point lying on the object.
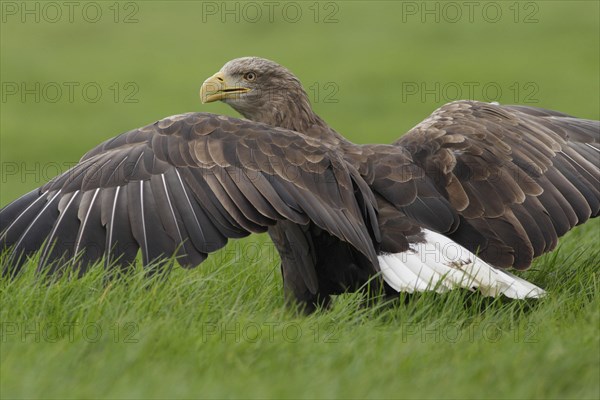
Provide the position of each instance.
(250, 76)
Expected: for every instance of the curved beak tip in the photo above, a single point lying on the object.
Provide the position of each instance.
(217, 88)
(211, 89)
(208, 88)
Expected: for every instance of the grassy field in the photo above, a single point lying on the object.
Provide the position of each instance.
(373, 70)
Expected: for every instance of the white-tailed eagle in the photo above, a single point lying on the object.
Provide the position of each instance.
(472, 190)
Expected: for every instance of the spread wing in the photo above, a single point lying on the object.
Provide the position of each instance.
(184, 185)
(503, 181)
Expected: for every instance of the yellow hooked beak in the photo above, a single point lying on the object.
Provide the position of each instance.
(217, 88)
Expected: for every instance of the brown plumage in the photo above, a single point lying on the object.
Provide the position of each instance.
(476, 172)
(503, 181)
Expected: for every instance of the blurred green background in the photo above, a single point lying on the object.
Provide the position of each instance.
(372, 69)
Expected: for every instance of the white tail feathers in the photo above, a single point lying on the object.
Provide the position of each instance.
(440, 264)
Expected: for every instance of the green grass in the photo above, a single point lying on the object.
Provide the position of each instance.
(222, 331)
(194, 334)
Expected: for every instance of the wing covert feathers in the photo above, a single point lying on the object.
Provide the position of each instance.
(516, 178)
(183, 186)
